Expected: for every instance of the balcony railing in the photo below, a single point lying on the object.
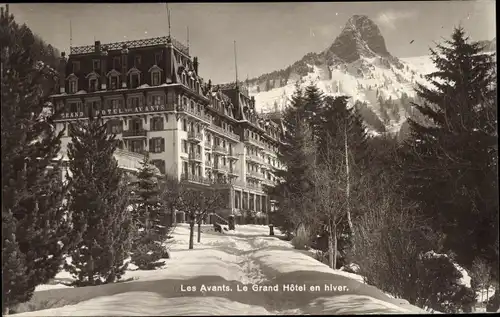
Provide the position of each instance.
(134, 133)
(219, 149)
(254, 142)
(226, 133)
(220, 168)
(195, 178)
(195, 156)
(208, 164)
(254, 186)
(233, 171)
(199, 114)
(255, 174)
(208, 144)
(195, 136)
(255, 158)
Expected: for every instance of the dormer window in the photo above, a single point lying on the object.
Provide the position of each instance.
(155, 78)
(96, 64)
(157, 58)
(113, 81)
(76, 66)
(73, 86)
(155, 75)
(137, 60)
(134, 77)
(93, 84)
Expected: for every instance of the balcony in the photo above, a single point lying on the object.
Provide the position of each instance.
(255, 175)
(232, 155)
(248, 140)
(220, 168)
(219, 150)
(191, 178)
(129, 134)
(208, 164)
(195, 157)
(254, 186)
(208, 145)
(194, 112)
(195, 137)
(223, 132)
(255, 159)
(233, 172)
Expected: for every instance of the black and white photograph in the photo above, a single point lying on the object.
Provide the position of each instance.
(249, 158)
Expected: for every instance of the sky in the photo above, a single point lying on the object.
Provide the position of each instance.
(269, 36)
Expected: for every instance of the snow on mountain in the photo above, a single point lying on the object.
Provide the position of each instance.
(358, 65)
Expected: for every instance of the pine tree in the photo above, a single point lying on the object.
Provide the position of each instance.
(451, 161)
(150, 219)
(294, 193)
(99, 204)
(36, 233)
(313, 103)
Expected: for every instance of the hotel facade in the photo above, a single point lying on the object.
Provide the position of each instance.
(151, 96)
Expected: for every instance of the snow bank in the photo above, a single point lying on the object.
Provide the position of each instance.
(152, 304)
(46, 287)
(356, 304)
(252, 230)
(285, 261)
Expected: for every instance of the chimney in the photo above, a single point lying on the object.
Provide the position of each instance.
(97, 46)
(124, 65)
(62, 73)
(195, 64)
(104, 58)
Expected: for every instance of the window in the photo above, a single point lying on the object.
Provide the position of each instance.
(73, 86)
(116, 62)
(114, 104)
(184, 146)
(185, 167)
(137, 146)
(116, 126)
(157, 58)
(198, 149)
(156, 145)
(184, 125)
(157, 100)
(124, 61)
(113, 82)
(133, 102)
(76, 66)
(93, 84)
(156, 124)
(136, 125)
(134, 80)
(137, 60)
(155, 78)
(96, 64)
(72, 107)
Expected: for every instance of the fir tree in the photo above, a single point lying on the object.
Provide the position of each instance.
(294, 193)
(99, 204)
(451, 160)
(313, 102)
(150, 219)
(36, 233)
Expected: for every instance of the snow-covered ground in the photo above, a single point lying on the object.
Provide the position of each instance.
(247, 257)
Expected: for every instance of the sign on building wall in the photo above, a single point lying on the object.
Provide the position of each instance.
(108, 112)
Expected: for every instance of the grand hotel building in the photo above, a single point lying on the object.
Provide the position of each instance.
(151, 96)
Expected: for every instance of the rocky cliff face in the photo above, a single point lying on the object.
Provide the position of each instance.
(360, 37)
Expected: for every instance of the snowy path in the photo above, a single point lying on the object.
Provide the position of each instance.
(211, 279)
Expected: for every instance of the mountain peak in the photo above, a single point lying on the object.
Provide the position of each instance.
(360, 37)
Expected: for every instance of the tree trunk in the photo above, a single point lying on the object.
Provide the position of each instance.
(348, 181)
(331, 255)
(334, 246)
(199, 232)
(91, 269)
(191, 234)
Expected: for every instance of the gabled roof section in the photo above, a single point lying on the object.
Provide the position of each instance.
(113, 72)
(155, 68)
(93, 74)
(71, 76)
(133, 70)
